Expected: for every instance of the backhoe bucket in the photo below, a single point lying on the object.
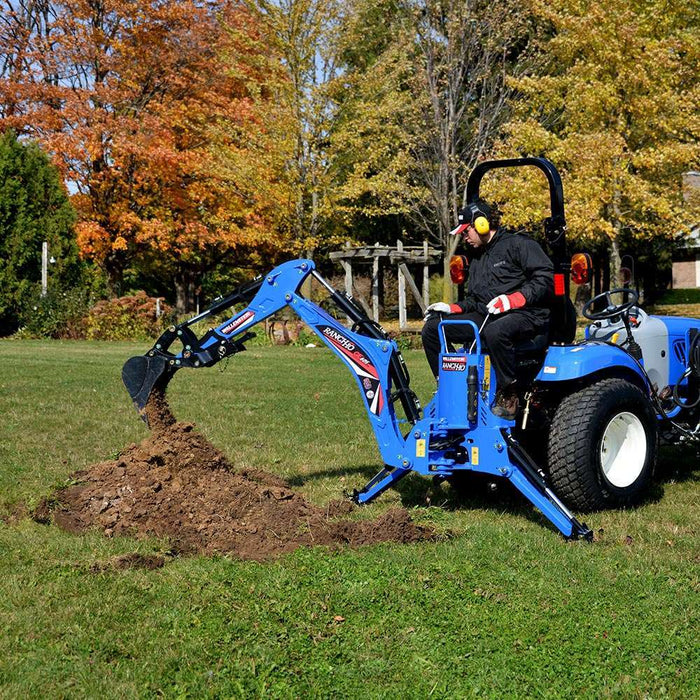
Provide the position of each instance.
(141, 375)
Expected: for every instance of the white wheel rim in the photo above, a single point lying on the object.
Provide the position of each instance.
(623, 449)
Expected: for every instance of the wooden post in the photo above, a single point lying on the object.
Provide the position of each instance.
(402, 289)
(426, 276)
(375, 287)
(412, 286)
(44, 267)
(347, 266)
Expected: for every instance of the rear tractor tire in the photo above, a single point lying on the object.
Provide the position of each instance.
(602, 446)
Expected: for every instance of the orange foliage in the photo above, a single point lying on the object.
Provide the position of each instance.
(125, 99)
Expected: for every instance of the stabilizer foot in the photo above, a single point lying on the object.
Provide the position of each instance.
(378, 483)
(531, 482)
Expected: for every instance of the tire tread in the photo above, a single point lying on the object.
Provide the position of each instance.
(571, 444)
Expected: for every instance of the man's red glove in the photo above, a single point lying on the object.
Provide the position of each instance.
(505, 302)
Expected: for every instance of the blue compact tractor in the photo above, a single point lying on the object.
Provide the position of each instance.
(591, 417)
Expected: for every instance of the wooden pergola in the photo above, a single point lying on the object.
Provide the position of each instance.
(399, 255)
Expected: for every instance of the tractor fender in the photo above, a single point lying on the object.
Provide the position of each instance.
(569, 362)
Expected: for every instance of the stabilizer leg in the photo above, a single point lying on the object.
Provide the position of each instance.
(528, 479)
(378, 483)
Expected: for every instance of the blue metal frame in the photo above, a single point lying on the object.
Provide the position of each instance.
(482, 443)
(566, 362)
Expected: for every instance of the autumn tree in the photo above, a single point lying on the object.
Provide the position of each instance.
(423, 104)
(124, 95)
(34, 208)
(302, 34)
(614, 106)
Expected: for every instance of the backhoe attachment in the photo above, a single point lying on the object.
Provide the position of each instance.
(145, 374)
(456, 431)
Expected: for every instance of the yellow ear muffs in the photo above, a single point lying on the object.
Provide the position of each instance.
(482, 226)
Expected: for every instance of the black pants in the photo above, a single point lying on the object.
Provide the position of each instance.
(499, 337)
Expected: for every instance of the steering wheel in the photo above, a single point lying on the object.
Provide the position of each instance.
(611, 310)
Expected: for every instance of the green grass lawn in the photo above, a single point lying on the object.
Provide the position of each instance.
(501, 607)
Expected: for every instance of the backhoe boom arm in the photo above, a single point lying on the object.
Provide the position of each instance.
(370, 355)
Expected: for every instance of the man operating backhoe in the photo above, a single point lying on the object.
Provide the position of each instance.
(509, 288)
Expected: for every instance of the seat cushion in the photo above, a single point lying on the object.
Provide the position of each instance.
(533, 346)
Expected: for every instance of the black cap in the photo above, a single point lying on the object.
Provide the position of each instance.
(473, 210)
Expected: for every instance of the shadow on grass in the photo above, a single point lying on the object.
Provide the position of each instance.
(473, 492)
(675, 464)
(469, 491)
(678, 463)
(478, 491)
(367, 471)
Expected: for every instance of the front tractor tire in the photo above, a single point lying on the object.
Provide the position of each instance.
(602, 446)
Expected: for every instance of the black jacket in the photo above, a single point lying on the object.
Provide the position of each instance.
(510, 262)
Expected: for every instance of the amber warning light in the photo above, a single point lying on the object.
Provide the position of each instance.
(458, 269)
(581, 266)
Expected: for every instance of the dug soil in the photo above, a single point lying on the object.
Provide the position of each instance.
(176, 484)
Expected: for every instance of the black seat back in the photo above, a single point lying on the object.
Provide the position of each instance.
(562, 322)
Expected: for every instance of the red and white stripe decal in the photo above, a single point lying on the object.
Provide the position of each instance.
(360, 364)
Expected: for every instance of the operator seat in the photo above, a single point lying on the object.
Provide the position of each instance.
(529, 356)
(530, 353)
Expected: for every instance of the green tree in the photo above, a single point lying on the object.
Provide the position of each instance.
(302, 35)
(614, 105)
(421, 101)
(34, 207)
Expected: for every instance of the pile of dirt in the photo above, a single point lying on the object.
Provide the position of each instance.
(176, 484)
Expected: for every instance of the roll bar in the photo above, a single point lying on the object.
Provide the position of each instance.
(556, 191)
(555, 224)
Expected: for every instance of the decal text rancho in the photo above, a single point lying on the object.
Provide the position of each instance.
(340, 339)
(454, 364)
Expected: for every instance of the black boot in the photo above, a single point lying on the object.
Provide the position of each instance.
(506, 403)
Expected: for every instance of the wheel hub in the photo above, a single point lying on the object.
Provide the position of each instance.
(623, 449)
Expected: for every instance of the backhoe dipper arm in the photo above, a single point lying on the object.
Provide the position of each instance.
(369, 354)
